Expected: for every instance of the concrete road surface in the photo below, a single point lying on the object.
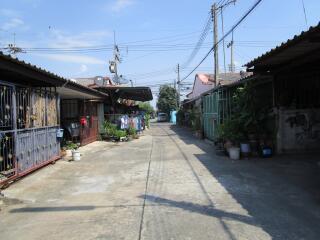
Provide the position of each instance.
(166, 185)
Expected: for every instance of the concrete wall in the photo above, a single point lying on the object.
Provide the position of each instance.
(298, 130)
(199, 88)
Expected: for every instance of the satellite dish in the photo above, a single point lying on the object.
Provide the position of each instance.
(99, 81)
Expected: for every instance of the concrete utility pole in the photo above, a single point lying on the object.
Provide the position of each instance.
(232, 66)
(178, 78)
(214, 12)
(113, 65)
(232, 60)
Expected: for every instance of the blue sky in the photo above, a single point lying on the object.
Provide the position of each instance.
(154, 35)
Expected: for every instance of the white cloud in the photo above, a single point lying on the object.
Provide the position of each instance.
(119, 5)
(9, 12)
(12, 24)
(85, 39)
(73, 58)
(83, 68)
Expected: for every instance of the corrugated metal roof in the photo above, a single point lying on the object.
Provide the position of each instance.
(59, 81)
(130, 93)
(307, 41)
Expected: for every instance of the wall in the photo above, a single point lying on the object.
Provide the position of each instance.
(200, 88)
(298, 130)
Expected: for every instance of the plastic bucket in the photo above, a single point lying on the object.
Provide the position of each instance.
(68, 153)
(245, 148)
(234, 153)
(76, 156)
(60, 133)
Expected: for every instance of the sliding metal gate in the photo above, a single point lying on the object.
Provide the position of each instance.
(23, 148)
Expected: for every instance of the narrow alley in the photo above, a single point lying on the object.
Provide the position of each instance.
(166, 185)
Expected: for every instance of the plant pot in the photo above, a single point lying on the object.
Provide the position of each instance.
(68, 153)
(227, 145)
(245, 149)
(76, 156)
(234, 153)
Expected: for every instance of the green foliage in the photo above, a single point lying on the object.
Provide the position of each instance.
(167, 100)
(131, 131)
(147, 120)
(195, 118)
(231, 130)
(181, 117)
(110, 129)
(146, 106)
(71, 146)
(120, 134)
(250, 109)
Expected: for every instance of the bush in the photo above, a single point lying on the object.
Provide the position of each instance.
(71, 146)
(147, 119)
(110, 129)
(131, 131)
(120, 134)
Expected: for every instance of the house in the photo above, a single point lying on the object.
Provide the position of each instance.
(120, 99)
(294, 68)
(202, 103)
(205, 82)
(30, 115)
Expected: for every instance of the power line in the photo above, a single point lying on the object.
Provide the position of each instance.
(198, 45)
(304, 11)
(227, 34)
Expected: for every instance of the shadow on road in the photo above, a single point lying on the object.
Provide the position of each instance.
(198, 208)
(278, 194)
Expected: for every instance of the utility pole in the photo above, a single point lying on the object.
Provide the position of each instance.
(113, 67)
(232, 60)
(214, 12)
(230, 45)
(178, 78)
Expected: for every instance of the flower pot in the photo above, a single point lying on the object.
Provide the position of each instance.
(76, 156)
(227, 145)
(245, 149)
(234, 153)
(68, 153)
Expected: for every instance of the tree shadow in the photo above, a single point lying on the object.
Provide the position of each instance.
(276, 193)
(207, 210)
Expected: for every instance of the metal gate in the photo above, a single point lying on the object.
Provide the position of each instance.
(216, 110)
(24, 148)
(89, 133)
(209, 115)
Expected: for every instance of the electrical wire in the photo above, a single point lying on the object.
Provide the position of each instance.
(227, 34)
(200, 42)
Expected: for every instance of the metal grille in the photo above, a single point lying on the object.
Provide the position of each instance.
(6, 108)
(89, 133)
(7, 161)
(23, 96)
(28, 125)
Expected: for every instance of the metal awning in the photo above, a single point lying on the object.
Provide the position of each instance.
(19, 72)
(142, 94)
(303, 48)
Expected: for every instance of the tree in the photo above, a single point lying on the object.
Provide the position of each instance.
(146, 106)
(167, 100)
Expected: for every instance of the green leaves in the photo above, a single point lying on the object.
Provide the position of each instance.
(167, 100)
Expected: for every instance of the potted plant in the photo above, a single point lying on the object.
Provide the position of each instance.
(232, 133)
(69, 148)
(131, 132)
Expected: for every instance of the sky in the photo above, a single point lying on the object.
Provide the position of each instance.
(75, 38)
